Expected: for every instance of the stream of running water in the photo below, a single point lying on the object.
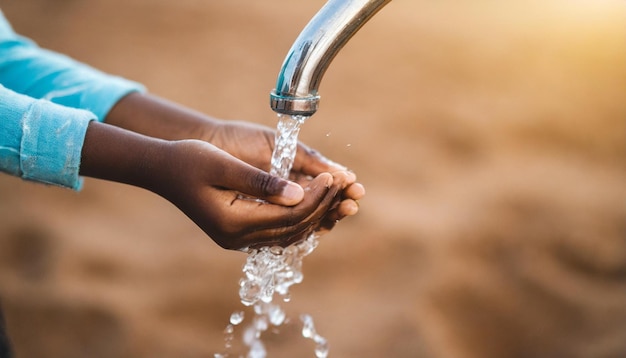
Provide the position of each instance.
(271, 271)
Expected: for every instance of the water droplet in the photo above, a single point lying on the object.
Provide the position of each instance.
(257, 350)
(308, 329)
(236, 318)
(229, 330)
(321, 349)
(249, 335)
(276, 315)
(249, 293)
(260, 324)
(319, 340)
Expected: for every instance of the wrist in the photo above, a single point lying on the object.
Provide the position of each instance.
(115, 154)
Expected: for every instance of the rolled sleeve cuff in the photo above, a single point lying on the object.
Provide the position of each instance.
(51, 145)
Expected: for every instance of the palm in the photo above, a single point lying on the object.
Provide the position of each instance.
(247, 141)
(254, 144)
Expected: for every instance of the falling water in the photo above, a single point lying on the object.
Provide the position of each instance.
(271, 271)
(285, 144)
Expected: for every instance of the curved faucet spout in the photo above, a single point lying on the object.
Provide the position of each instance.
(327, 32)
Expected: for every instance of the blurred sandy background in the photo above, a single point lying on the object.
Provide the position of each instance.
(490, 136)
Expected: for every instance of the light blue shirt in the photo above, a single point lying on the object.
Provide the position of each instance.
(46, 102)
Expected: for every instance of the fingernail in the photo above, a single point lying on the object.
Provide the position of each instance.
(293, 192)
(348, 177)
(352, 207)
(329, 181)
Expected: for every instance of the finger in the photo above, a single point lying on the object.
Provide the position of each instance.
(288, 234)
(327, 204)
(349, 194)
(347, 178)
(347, 208)
(251, 223)
(355, 191)
(344, 178)
(251, 181)
(257, 215)
(344, 208)
(273, 237)
(312, 162)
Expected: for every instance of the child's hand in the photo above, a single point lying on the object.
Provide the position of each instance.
(218, 191)
(252, 144)
(210, 186)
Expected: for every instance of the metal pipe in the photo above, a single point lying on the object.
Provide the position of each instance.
(314, 49)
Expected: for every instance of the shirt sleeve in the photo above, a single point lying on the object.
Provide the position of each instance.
(46, 102)
(40, 140)
(39, 73)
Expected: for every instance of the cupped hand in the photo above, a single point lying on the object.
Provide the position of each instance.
(254, 143)
(251, 143)
(218, 192)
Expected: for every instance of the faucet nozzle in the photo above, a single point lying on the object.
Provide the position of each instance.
(302, 106)
(316, 46)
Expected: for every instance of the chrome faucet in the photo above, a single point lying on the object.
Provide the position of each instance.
(316, 46)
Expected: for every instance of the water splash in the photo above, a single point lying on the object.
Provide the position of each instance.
(271, 271)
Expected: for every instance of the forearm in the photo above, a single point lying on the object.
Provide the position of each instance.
(159, 118)
(122, 156)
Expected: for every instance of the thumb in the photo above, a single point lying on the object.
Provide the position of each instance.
(262, 185)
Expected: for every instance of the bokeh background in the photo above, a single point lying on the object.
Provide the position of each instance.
(490, 136)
